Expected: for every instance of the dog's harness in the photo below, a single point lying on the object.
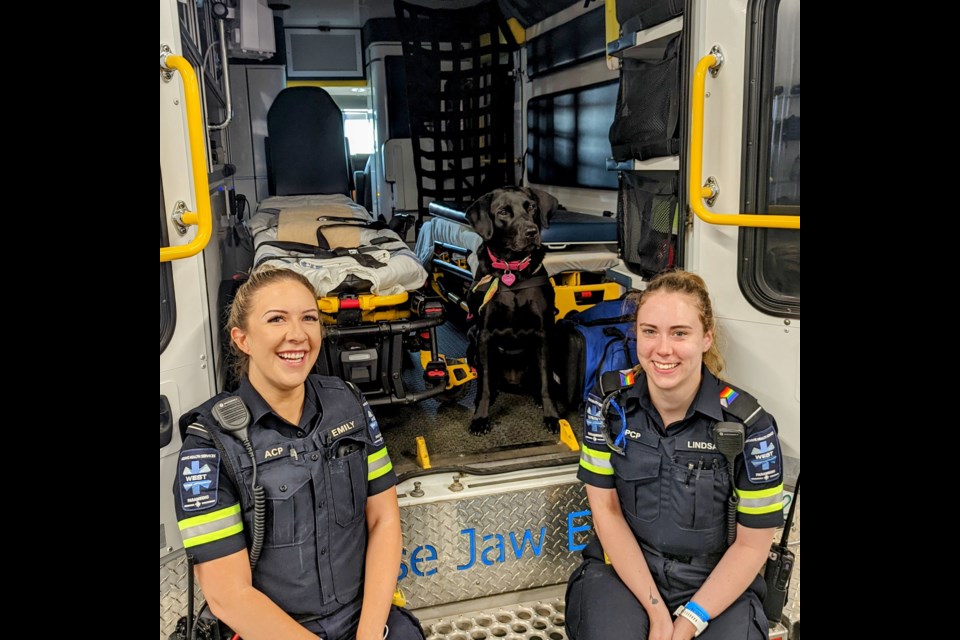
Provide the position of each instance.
(508, 278)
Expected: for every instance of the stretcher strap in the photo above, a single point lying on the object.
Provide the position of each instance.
(310, 251)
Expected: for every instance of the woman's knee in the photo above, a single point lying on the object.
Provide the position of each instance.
(600, 606)
(403, 625)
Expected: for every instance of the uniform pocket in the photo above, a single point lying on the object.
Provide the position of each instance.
(348, 476)
(637, 486)
(698, 496)
(290, 517)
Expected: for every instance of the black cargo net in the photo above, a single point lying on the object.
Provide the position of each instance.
(460, 89)
(647, 218)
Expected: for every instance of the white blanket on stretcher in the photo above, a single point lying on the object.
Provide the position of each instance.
(401, 270)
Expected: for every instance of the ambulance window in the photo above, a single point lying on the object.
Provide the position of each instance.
(357, 117)
(358, 127)
(167, 310)
(770, 264)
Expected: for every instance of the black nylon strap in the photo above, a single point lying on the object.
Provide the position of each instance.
(311, 251)
(599, 321)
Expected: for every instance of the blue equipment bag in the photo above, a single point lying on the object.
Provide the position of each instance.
(589, 343)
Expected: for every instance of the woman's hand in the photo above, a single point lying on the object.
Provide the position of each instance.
(661, 624)
(370, 636)
(683, 629)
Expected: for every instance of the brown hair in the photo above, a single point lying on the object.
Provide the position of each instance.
(242, 305)
(692, 285)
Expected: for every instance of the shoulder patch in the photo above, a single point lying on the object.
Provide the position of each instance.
(727, 396)
(373, 425)
(593, 420)
(198, 476)
(761, 454)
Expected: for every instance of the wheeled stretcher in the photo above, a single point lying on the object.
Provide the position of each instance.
(368, 281)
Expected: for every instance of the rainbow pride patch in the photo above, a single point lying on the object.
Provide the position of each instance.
(727, 396)
(627, 378)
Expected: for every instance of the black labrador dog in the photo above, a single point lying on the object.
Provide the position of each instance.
(512, 302)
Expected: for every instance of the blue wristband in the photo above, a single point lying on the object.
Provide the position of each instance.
(697, 609)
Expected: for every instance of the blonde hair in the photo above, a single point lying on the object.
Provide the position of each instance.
(694, 286)
(242, 306)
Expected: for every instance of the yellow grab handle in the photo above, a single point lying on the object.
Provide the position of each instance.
(198, 162)
(697, 193)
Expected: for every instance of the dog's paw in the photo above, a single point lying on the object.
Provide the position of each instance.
(552, 425)
(480, 426)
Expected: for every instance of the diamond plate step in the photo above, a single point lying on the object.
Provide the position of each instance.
(534, 620)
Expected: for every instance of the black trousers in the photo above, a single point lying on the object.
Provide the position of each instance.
(600, 606)
(342, 625)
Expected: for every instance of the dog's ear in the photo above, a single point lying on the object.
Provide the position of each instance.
(547, 205)
(479, 216)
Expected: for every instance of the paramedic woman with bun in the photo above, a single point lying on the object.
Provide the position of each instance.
(658, 488)
(290, 474)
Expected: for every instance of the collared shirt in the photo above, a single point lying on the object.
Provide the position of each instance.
(263, 416)
(758, 472)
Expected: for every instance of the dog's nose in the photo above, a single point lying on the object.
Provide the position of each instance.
(532, 232)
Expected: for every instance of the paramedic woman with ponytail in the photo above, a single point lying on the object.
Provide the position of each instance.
(290, 474)
(658, 487)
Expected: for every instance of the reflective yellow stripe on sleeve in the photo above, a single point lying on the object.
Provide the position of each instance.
(378, 464)
(210, 527)
(761, 502)
(596, 461)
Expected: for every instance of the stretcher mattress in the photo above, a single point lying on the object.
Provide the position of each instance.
(580, 257)
(566, 227)
(381, 256)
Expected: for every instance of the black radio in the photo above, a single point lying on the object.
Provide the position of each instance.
(780, 567)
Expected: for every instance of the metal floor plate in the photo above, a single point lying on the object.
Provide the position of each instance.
(444, 422)
(173, 593)
(535, 620)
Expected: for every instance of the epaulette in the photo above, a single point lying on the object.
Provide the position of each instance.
(613, 381)
(356, 391)
(200, 431)
(741, 405)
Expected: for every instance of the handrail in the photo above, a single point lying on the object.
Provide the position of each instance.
(195, 126)
(710, 190)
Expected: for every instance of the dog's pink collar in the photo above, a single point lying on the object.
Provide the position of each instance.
(516, 265)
